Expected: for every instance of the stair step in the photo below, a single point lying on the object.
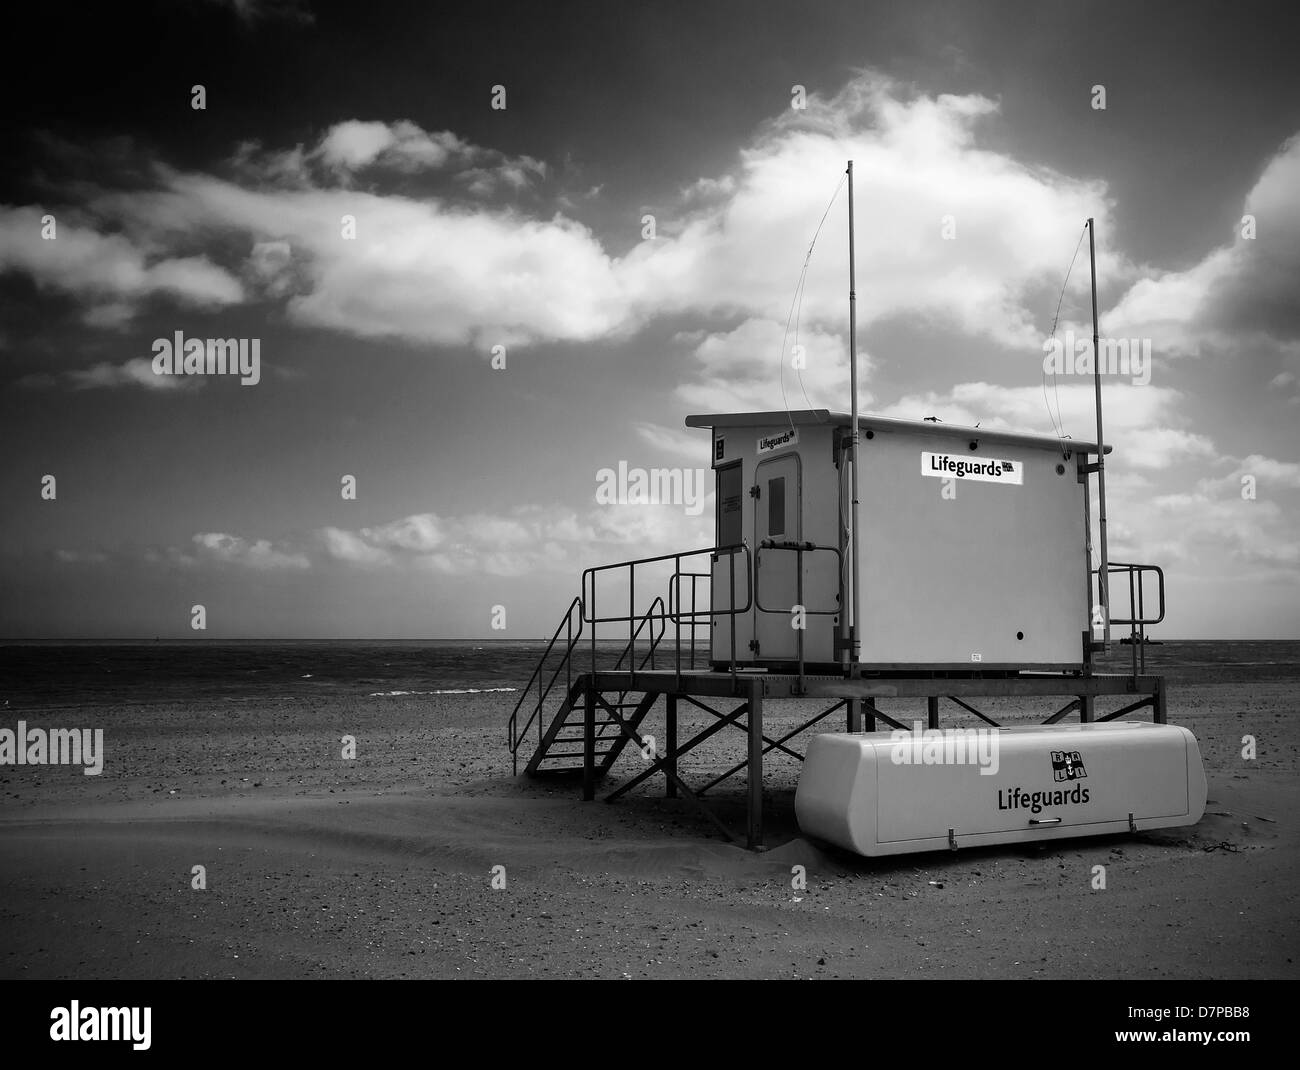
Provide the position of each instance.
(570, 754)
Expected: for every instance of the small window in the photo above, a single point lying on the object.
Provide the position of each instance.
(776, 507)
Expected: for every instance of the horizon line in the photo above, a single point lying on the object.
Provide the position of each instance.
(466, 639)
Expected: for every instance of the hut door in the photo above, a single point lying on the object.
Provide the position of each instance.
(727, 569)
(777, 516)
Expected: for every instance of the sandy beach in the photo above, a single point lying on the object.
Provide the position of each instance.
(383, 866)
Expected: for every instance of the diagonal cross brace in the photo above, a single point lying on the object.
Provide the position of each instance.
(771, 743)
(875, 713)
(660, 765)
(1150, 701)
(638, 715)
(972, 709)
(789, 735)
(1073, 704)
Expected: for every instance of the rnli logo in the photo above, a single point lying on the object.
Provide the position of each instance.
(1067, 765)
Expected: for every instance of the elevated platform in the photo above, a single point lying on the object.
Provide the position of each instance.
(579, 719)
(597, 720)
(885, 685)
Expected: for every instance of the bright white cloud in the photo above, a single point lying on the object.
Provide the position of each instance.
(917, 162)
(752, 368)
(108, 270)
(438, 269)
(1242, 290)
(1140, 421)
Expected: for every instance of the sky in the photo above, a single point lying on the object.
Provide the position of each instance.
(487, 254)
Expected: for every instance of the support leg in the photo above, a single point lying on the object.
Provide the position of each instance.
(1160, 707)
(932, 710)
(869, 714)
(670, 730)
(589, 744)
(854, 716)
(755, 773)
(1087, 707)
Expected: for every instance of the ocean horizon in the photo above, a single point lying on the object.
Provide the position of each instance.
(44, 673)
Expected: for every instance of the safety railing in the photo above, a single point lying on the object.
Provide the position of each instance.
(1137, 620)
(798, 549)
(692, 617)
(591, 608)
(648, 617)
(515, 735)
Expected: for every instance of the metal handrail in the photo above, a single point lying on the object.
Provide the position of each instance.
(514, 737)
(589, 609)
(646, 617)
(674, 586)
(590, 603)
(799, 548)
(1136, 571)
(1137, 618)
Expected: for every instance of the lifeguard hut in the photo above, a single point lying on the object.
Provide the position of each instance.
(972, 550)
(859, 558)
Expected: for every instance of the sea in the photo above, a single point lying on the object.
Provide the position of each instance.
(41, 674)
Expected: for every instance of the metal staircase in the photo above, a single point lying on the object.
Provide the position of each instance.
(560, 732)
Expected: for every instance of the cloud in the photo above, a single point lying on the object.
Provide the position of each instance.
(350, 547)
(110, 271)
(673, 441)
(1212, 535)
(1203, 529)
(450, 264)
(353, 145)
(752, 368)
(137, 372)
(422, 271)
(528, 540)
(439, 259)
(1141, 422)
(374, 149)
(1238, 291)
(1268, 472)
(80, 557)
(258, 554)
(919, 158)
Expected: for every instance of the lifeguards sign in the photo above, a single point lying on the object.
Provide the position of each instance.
(962, 466)
(772, 443)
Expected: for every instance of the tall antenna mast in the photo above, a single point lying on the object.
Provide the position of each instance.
(1103, 578)
(853, 386)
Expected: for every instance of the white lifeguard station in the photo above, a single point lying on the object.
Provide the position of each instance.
(972, 552)
(859, 558)
(975, 580)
